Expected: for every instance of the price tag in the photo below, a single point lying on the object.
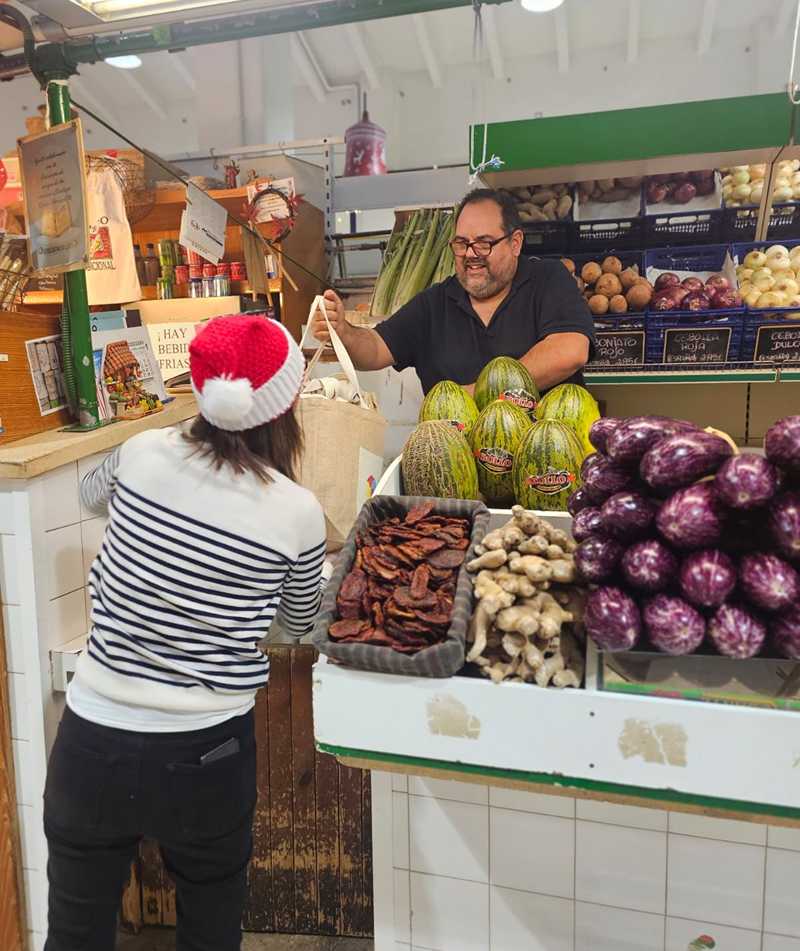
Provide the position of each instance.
(689, 345)
(618, 348)
(203, 225)
(778, 343)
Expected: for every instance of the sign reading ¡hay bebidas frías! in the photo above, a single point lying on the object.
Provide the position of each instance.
(53, 176)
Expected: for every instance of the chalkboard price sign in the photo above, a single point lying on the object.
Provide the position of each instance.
(619, 348)
(778, 343)
(689, 345)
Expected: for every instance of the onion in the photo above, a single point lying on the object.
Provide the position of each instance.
(667, 279)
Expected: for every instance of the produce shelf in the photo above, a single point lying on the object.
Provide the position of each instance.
(43, 298)
(666, 373)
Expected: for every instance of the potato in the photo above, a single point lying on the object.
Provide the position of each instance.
(591, 271)
(638, 296)
(563, 207)
(611, 265)
(606, 184)
(609, 285)
(550, 210)
(579, 282)
(542, 196)
(618, 304)
(569, 264)
(629, 277)
(632, 183)
(598, 305)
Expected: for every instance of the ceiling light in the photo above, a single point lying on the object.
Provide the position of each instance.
(540, 6)
(124, 62)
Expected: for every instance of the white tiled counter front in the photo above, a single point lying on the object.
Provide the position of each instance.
(47, 542)
(470, 867)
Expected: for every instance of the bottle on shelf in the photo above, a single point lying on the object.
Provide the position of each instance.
(139, 260)
(152, 268)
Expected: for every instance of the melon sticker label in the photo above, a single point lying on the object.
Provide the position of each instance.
(520, 397)
(456, 424)
(551, 482)
(495, 460)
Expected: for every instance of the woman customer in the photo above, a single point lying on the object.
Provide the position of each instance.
(208, 540)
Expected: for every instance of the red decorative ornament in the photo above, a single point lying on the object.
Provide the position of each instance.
(365, 144)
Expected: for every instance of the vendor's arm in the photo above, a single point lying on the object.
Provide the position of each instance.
(556, 358)
(98, 486)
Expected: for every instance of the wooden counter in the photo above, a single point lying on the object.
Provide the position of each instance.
(34, 455)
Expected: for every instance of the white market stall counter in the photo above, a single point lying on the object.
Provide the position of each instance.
(506, 815)
(47, 543)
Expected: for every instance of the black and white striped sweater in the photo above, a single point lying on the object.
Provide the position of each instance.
(194, 566)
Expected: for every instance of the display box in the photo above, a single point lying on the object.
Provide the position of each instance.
(597, 225)
(698, 220)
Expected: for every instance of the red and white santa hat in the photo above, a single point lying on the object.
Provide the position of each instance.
(246, 370)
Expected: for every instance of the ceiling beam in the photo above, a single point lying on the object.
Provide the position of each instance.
(305, 62)
(783, 20)
(182, 71)
(138, 87)
(356, 36)
(634, 22)
(426, 47)
(706, 26)
(562, 39)
(489, 18)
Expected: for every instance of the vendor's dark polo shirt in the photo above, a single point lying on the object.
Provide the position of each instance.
(440, 335)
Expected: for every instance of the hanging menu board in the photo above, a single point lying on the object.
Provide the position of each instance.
(688, 345)
(53, 176)
(618, 348)
(778, 343)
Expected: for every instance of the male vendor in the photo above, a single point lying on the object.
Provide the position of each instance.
(498, 304)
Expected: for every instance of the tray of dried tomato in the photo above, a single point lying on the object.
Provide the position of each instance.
(400, 599)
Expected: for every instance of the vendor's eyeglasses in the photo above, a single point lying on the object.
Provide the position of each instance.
(480, 248)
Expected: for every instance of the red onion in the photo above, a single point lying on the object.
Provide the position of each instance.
(718, 282)
(692, 283)
(696, 300)
(667, 279)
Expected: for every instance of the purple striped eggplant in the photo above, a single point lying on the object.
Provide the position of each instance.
(649, 565)
(679, 460)
(784, 525)
(601, 429)
(769, 582)
(627, 515)
(747, 481)
(786, 633)
(634, 436)
(673, 625)
(692, 517)
(601, 477)
(597, 558)
(612, 619)
(708, 577)
(782, 444)
(587, 522)
(736, 632)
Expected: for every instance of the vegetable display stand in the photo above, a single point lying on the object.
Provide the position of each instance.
(546, 237)
(619, 341)
(772, 338)
(739, 224)
(711, 339)
(600, 233)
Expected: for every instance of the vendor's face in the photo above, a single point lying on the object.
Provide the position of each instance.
(483, 277)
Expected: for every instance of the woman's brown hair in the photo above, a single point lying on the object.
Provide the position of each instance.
(275, 445)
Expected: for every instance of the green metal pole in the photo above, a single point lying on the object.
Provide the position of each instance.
(77, 334)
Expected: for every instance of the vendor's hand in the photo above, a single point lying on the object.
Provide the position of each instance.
(335, 310)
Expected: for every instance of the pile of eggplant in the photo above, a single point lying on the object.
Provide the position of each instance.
(689, 544)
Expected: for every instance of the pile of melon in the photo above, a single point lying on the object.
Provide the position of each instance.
(505, 446)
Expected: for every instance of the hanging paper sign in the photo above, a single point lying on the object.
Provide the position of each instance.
(54, 190)
(203, 225)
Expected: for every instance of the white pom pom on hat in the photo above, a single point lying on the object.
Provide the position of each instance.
(227, 401)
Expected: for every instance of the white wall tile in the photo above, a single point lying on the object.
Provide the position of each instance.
(18, 705)
(9, 569)
(399, 830)
(782, 901)
(533, 853)
(399, 782)
(779, 942)
(402, 906)
(532, 802)
(448, 789)
(23, 772)
(65, 620)
(621, 867)
(715, 881)
(35, 899)
(779, 837)
(634, 817)
(62, 560)
(708, 827)
(449, 838)
(85, 466)
(598, 928)
(680, 933)
(14, 630)
(92, 531)
(34, 846)
(449, 915)
(58, 491)
(522, 922)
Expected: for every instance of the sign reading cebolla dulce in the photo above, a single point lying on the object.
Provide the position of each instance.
(203, 225)
(551, 482)
(54, 190)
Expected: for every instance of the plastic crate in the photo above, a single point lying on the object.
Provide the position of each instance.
(616, 232)
(771, 338)
(740, 250)
(546, 237)
(695, 259)
(712, 339)
(739, 224)
(620, 341)
(682, 227)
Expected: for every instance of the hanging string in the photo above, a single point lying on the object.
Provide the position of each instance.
(494, 162)
(791, 86)
(166, 167)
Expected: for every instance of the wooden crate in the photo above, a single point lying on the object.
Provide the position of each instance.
(311, 871)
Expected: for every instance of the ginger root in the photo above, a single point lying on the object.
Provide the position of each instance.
(533, 567)
(507, 537)
(491, 595)
(518, 618)
(490, 559)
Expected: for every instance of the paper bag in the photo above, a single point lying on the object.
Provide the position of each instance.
(111, 276)
(344, 445)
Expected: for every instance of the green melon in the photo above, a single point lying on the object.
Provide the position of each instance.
(506, 379)
(547, 466)
(437, 461)
(574, 406)
(450, 402)
(494, 440)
